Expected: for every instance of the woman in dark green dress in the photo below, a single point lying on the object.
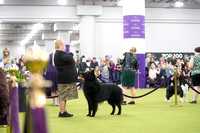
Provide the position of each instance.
(130, 66)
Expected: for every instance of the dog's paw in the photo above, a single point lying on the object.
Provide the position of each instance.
(88, 115)
(111, 113)
(186, 100)
(168, 101)
(181, 100)
(165, 99)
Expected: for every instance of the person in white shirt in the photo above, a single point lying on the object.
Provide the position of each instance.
(153, 75)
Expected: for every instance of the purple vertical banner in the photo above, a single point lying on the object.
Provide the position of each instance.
(67, 48)
(39, 120)
(15, 110)
(142, 70)
(134, 26)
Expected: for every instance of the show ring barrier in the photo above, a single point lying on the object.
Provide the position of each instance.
(12, 111)
(156, 88)
(175, 88)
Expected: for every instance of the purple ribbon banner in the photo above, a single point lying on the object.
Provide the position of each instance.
(134, 26)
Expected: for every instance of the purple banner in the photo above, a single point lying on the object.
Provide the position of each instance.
(134, 26)
(15, 110)
(39, 120)
(142, 70)
(67, 48)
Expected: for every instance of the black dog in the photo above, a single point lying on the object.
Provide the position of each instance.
(182, 90)
(170, 92)
(96, 92)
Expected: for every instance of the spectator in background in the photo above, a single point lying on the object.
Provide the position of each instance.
(186, 72)
(147, 60)
(182, 63)
(93, 63)
(179, 64)
(153, 75)
(169, 72)
(169, 63)
(96, 71)
(164, 59)
(21, 61)
(88, 61)
(173, 60)
(102, 64)
(51, 74)
(77, 66)
(106, 74)
(162, 63)
(194, 65)
(112, 67)
(118, 72)
(186, 58)
(152, 61)
(6, 57)
(16, 61)
(82, 64)
(162, 75)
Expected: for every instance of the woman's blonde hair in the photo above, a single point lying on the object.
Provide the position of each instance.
(133, 49)
(6, 49)
(58, 42)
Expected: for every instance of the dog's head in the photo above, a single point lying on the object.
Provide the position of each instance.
(88, 75)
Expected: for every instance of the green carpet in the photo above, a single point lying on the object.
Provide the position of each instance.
(151, 114)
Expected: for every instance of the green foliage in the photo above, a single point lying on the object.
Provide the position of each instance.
(19, 77)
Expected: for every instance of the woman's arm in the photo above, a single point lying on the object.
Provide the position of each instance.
(191, 63)
(67, 58)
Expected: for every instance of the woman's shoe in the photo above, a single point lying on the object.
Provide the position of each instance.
(132, 102)
(194, 101)
(65, 114)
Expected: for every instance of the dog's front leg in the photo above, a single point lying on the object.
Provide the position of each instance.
(89, 108)
(94, 107)
(185, 97)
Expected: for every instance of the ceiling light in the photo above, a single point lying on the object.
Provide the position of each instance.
(35, 29)
(62, 2)
(1, 1)
(179, 4)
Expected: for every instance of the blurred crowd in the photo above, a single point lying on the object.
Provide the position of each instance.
(106, 69)
(159, 70)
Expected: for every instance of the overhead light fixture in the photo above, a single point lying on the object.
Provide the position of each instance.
(62, 2)
(120, 3)
(179, 4)
(35, 29)
(1, 1)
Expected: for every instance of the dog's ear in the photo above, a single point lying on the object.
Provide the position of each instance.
(92, 71)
